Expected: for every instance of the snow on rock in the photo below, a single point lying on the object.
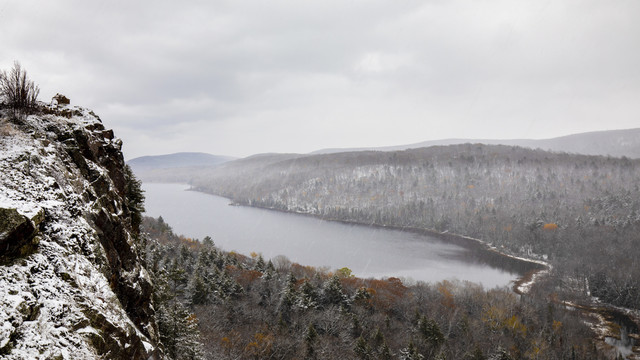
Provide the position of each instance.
(78, 290)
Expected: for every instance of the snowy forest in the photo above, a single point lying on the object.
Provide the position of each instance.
(223, 305)
(577, 213)
(581, 213)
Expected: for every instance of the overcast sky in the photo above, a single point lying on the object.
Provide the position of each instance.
(243, 77)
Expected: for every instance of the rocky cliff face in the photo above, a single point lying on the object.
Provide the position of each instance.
(72, 280)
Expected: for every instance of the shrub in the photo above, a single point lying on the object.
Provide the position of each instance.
(17, 91)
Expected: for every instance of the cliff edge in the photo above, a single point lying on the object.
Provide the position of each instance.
(72, 277)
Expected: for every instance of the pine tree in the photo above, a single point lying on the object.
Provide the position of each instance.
(385, 353)
(309, 340)
(378, 339)
(288, 298)
(199, 291)
(501, 354)
(308, 296)
(362, 296)
(333, 293)
(177, 327)
(477, 354)
(356, 328)
(179, 332)
(362, 349)
(207, 241)
(134, 198)
(270, 267)
(260, 265)
(177, 279)
(430, 330)
(410, 353)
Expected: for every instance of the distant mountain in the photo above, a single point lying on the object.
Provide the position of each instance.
(177, 160)
(176, 167)
(616, 143)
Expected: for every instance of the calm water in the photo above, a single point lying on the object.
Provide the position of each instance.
(369, 252)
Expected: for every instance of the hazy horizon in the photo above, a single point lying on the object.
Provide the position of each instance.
(387, 148)
(238, 79)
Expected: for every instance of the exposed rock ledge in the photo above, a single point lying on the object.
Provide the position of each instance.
(72, 280)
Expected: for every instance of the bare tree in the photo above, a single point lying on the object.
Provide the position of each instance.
(17, 90)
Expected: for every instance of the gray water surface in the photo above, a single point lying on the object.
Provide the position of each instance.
(368, 251)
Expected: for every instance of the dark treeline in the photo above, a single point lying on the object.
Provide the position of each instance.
(579, 212)
(220, 305)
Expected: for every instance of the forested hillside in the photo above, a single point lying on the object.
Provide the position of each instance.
(580, 212)
(223, 305)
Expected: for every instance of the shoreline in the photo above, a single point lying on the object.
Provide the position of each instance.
(526, 270)
(603, 318)
(605, 315)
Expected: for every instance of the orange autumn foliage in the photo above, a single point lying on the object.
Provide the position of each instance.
(302, 271)
(447, 297)
(247, 277)
(260, 347)
(386, 293)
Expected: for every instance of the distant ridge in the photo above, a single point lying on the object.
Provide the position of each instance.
(177, 160)
(616, 143)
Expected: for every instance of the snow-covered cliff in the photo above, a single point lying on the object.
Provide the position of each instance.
(72, 280)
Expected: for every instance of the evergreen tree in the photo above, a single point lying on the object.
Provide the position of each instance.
(199, 291)
(501, 354)
(308, 296)
(361, 296)
(385, 353)
(177, 327)
(410, 353)
(356, 328)
(362, 349)
(177, 279)
(430, 331)
(377, 339)
(179, 332)
(134, 198)
(207, 241)
(332, 292)
(477, 354)
(270, 267)
(260, 265)
(309, 340)
(288, 298)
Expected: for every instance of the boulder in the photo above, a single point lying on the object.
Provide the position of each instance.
(60, 99)
(16, 231)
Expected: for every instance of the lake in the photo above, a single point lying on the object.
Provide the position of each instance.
(367, 251)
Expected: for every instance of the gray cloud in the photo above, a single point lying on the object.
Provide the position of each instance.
(237, 78)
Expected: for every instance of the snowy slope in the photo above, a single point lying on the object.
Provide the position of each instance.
(65, 299)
